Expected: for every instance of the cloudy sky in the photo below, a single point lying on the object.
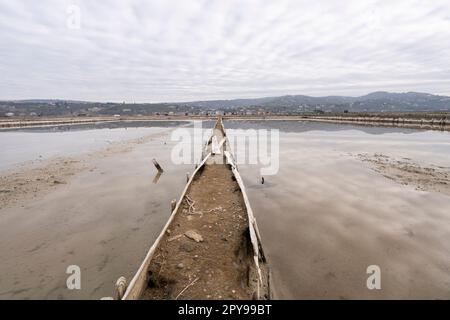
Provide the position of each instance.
(167, 50)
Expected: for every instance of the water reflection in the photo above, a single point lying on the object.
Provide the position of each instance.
(305, 126)
(104, 125)
(157, 176)
(326, 216)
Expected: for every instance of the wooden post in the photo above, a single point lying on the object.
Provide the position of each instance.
(121, 287)
(158, 167)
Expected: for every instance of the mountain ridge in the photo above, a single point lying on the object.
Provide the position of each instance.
(378, 101)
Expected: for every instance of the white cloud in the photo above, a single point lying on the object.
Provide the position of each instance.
(160, 50)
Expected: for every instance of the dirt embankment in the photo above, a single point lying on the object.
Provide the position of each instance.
(405, 171)
(441, 124)
(207, 252)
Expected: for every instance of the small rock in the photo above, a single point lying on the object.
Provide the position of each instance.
(180, 266)
(223, 238)
(168, 231)
(174, 238)
(187, 247)
(194, 235)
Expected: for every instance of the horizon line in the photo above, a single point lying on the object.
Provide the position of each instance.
(211, 100)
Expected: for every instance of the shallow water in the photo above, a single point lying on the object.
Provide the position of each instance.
(21, 146)
(103, 221)
(326, 216)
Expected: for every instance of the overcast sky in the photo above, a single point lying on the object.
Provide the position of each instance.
(160, 50)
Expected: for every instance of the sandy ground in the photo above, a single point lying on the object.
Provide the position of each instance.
(31, 181)
(405, 171)
(103, 214)
(324, 218)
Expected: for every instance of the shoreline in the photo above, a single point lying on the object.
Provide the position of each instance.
(405, 171)
(419, 120)
(100, 219)
(349, 201)
(36, 178)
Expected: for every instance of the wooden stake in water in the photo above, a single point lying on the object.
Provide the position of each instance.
(158, 167)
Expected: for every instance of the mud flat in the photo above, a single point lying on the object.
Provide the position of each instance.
(325, 217)
(405, 171)
(97, 210)
(51, 122)
(67, 121)
(39, 177)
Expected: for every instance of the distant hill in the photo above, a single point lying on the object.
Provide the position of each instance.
(375, 101)
(379, 101)
(409, 101)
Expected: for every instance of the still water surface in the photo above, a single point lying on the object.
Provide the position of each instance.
(324, 217)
